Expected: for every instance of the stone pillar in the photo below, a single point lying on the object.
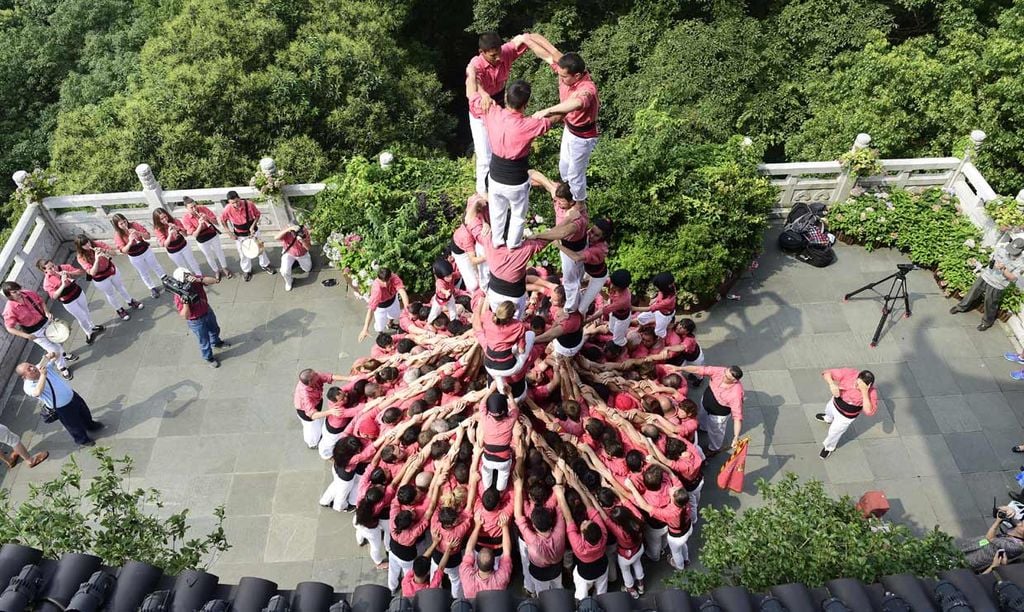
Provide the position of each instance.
(19, 178)
(151, 188)
(43, 215)
(977, 137)
(386, 159)
(280, 208)
(846, 182)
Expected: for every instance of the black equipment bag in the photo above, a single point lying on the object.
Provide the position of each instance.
(792, 241)
(817, 256)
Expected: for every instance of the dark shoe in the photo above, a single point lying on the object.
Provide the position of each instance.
(99, 328)
(247, 276)
(121, 312)
(1017, 497)
(90, 338)
(221, 344)
(956, 310)
(137, 305)
(95, 426)
(821, 417)
(983, 326)
(154, 293)
(270, 271)
(227, 273)
(70, 357)
(214, 363)
(88, 443)
(824, 453)
(66, 374)
(1018, 449)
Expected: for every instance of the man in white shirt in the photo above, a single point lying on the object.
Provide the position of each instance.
(42, 382)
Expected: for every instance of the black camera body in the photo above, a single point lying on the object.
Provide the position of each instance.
(183, 289)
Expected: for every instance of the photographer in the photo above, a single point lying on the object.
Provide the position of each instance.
(296, 249)
(998, 548)
(1004, 268)
(192, 304)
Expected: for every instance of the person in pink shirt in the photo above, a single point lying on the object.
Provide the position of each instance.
(498, 416)
(308, 397)
(95, 258)
(350, 456)
(131, 239)
(420, 577)
(296, 241)
(200, 223)
(383, 305)
(722, 399)
(594, 259)
(578, 104)
(853, 392)
(468, 255)
(662, 309)
(617, 307)
(483, 571)
(574, 242)
(242, 218)
(588, 541)
(542, 536)
(566, 335)
(444, 290)
(510, 134)
(59, 283)
(27, 316)
(507, 342)
(486, 76)
(171, 235)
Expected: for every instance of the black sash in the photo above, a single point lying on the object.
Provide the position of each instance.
(598, 270)
(712, 405)
(847, 409)
(497, 452)
(571, 339)
(206, 233)
(580, 130)
(545, 573)
(499, 97)
(138, 248)
(176, 245)
(509, 171)
(514, 290)
(499, 360)
(575, 245)
(71, 294)
(455, 249)
(244, 229)
(453, 560)
(403, 552)
(387, 303)
(690, 356)
(34, 327)
(592, 570)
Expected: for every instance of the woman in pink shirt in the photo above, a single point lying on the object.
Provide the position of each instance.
(444, 290)
(853, 392)
(171, 235)
(131, 239)
(507, 341)
(662, 309)
(468, 256)
(200, 222)
(722, 399)
(95, 258)
(351, 454)
(59, 282)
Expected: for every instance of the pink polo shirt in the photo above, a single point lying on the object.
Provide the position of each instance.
(727, 395)
(665, 304)
(502, 337)
(28, 312)
(473, 582)
(308, 397)
(846, 378)
(52, 284)
(585, 551)
(510, 264)
(381, 292)
(579, 223)
(584, 117)
(543, 550)
(492, 78)
(410, 587)
(618, 304)
(509, 132)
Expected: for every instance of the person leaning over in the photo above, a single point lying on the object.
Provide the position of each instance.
(1004, 268)
(853, 392)
(199, 315)
(42, 382)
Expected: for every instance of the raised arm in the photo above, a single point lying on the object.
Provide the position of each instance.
(542, 48)
(537, 179)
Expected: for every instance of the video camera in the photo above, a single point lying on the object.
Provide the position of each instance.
(183, 290)
(907, 267)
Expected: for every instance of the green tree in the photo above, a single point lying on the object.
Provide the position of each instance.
(800, 534)
(106, 519)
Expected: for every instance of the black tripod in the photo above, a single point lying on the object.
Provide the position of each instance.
(897, 291)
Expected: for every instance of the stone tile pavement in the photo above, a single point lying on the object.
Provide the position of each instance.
(939, 447)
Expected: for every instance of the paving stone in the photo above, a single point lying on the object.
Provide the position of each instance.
(182, 418)
(912, 416)
(909, 503)
(770, 388)
(933, 377)
(952, 414)
(299, 492)
(992, 411)
(248, 538)
(786, 425)
(252, 494)
(291, 537)
(930, 455)
(848, 463)
(888, 458)
(972, 452)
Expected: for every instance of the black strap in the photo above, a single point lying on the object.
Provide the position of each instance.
(295, 237)
(53, 394)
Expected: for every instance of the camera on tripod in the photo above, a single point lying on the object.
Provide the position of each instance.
(182, 289)
(907, 267)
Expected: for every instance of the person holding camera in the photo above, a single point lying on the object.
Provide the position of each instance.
(1004, 268)
(193, 305)
(1000, 545)
(296, 248)
(42, 382)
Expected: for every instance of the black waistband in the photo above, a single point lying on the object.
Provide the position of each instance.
(303, 416)
(387, 303)
(176, 245)
(712, 406)
(242, 230)
(847, 409)
(513, 290)
(332, 429)
(518, 387)
(33, 328)
(497, 452)
(621, 315)
(138, 249)
(580, 130)
(498, 97)
(456, 249)
(690, 356)
(510, 171)
(571, 340)
(691, 485)
(453, 560)
(598, 270)
(592, 570)
(545, 573)
(575, 245)
(499, 360)
(205, 234)
(71, 294)
(403, 552)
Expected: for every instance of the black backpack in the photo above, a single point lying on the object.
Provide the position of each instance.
(817, 256)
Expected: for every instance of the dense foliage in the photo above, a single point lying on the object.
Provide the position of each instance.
(801, 535)
(103, 517)
(927, 227)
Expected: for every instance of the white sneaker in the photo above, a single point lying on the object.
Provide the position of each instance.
(287, 287)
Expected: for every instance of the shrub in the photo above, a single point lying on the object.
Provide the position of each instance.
(927, 227)
(106, 519)
(802, 535)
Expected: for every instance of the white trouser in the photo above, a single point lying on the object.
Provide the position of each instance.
(338, 494)
(312, 431)
(39, 337)
(487, 469)
(508, 203)
(453, 577)
(654, 541)
(374, 536)
(305, 263)
(482, 152)
(593, 290)
(244, 262)
(524, 559)
(583, 585)
(214, 252)
(396, 569)
(695, 502)
(572, 275)
(482, 267)
(112, 287)
(539, 586)
(679, 550)
(573, 159)
(716, 427)
(566, 351)
(468, 272)
(147, 265)
(631, 569)
(185, 259)
(499, 375)
(838, 424)
(381, 316)
(618, 328)
(327, 441)
(436, 307)
(495, 299)
(79, 309)
(660, 321)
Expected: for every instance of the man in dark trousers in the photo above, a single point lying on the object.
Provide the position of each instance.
(1005, 267)
(42, 382)
(196, 310)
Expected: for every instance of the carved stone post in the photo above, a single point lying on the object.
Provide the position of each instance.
(846, 181)
(43, 215)
(151, 188)
(280, 208)
(977, 137)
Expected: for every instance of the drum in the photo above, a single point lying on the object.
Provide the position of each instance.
(252, 247)
(57, 331)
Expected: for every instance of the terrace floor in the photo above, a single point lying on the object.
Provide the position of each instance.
(939, 448)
